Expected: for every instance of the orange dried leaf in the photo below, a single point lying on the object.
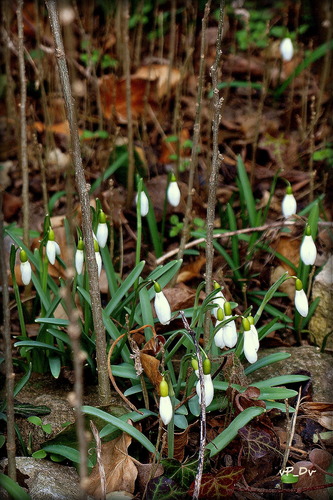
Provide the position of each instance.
(150, 366)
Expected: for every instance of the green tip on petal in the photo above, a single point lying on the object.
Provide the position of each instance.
(194, 363)
(51, 236)
(101, 217)
(96, 246)
(23, 255)
(164, 389)
(216, 285)
(308, 230)
(251, 320)
(289, 189)
(173, 178)
(80, 244)
(227, 309)
(220, 314)
(246, 324)
(298, 284)
(157, 287)
(206, 366)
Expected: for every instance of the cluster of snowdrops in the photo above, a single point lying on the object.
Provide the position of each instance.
(226, 335)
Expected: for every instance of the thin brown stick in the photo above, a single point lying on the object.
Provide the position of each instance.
(10, 375)
(196, 135)
(127, 69)
(227, 234)
(99, 459)
(23, 125)
(216, 162)
(103, 379)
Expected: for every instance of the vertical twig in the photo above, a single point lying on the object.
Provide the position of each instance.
(216, 162)
(203, 429)
(103, 379)
(127, 68)
(10, 375)
(23, 126)
(196, 135)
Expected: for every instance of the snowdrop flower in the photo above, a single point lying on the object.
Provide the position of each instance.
(79, 256)
(162, 306)
(218, 337)
(52, 247)
(286, 49)
(301, 300)
(229, 330)
(254, 333)
(250, 344)
(102, 229)
(308, 251)
(208, 383)
(218, 300)
(25, 267)
(165, 406)
(144, 203)
(289, 205)
(173, 192)
(98, 258)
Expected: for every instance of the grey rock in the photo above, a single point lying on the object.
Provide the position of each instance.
(321, 322)
(47, 480)
(309, 358)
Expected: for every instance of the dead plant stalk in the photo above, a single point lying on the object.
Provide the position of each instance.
(103, 379)
(216, 162)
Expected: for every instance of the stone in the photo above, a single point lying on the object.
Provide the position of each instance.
(304, 357)
(321, 322)
(46, 480)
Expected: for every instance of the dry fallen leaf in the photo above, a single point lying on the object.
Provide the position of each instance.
(191, 270)
(159, 73)
(120, 471)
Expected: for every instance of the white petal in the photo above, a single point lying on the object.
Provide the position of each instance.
(99, 262)
(301, 303)
(218, 337)
(230, 333)
(25, 272)
(165, 409)
(173, 194)
(289, 205)
(57, 248)
(162, 308)
(250, 350)
(255, 337)
(286, 49)
(308, 251)
(102, 234)
(51, 251)
(209, 389)
(219, 300)
(79, 259)
(144, 203)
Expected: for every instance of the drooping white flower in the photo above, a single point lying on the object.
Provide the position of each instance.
(208, 383)
(286, 49)
(289, 205)
(52, 247)
(144, 203)
(209, 389)
(254, 333)
(308, 250)
(218, 299)
(102, 229)
(79, 256)
(162, 306)
(229, 330)
(301, 300)
(165, 406)
(98, 258)
(25, 267)
(218, 337)
(173, 192)
(250, 344)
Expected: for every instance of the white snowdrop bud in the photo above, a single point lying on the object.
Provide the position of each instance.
(144, 203)
(25, 267)
(173, 192)
(308, 250)
(162, 306)
(286, 49)
(301, 300)
(289, 205)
